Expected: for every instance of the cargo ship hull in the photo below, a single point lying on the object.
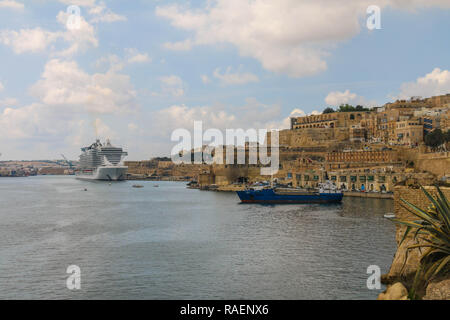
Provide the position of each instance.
(269, 196)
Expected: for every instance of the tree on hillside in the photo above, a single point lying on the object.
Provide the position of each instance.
(346, 108)
(328, 110)
(435, 138)
(349, 108)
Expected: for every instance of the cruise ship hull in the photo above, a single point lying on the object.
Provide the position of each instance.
(269, 196)
(106, 173)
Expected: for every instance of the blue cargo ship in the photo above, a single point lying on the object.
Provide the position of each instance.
(327, 193)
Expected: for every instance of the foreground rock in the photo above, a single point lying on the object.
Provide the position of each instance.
(438, 290)
(394, 292)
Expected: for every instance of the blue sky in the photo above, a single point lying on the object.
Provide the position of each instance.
(137, 70)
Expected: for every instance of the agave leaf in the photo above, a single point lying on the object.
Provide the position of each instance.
(417, 232)
(446, 207)
(436, 267)
(408, 229)
(443, 197)
(434, 241)
(439, 234)
(432, 233)
(443, 215)
(421, 245)
(404, 262)
(436, 230)
(431, 198)
(420, 213)
(407, 223)
(430, 268)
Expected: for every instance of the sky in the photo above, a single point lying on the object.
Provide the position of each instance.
(135, 71)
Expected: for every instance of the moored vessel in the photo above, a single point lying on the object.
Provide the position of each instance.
(102, 162)
(326, 193)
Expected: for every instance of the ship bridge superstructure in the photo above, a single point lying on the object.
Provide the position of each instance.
(97, 155)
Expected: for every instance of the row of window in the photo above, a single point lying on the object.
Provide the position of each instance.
(341, 178)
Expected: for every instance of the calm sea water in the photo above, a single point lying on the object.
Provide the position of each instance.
(174, 243)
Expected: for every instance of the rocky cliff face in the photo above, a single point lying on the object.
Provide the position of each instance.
(405, 263)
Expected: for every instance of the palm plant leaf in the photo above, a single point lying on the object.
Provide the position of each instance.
(432, 232)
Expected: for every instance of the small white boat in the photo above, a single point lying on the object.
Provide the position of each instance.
(389, 216)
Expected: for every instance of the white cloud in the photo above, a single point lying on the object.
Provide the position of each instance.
(39, 40)
(81, 132)
(205, 79)
(171, 86)
(115, 63)
(64, 85)
(66, 95)
(8, 102)
(112, 61)
(100, 13)
(237, 78)
(434, 83)
(28, 40)
(102, 130)
(337, 98)
(172, 81)
(414, 4)
(11, 4)
(133, 127)
(33, 121)
(97, 10)
(286, 122)
(185, 45)
(286, 36)
(134, 56)
(253, 114)
(80, 38)
(81, 3)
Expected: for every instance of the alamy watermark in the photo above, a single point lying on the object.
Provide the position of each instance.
(74, 18)
(374, 280)
(73, 282)
(374, 20)
(208, 147)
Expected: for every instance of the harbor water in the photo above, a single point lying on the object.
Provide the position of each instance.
(176, 243)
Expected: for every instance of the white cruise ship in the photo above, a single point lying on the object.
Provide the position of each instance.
(102, 162)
